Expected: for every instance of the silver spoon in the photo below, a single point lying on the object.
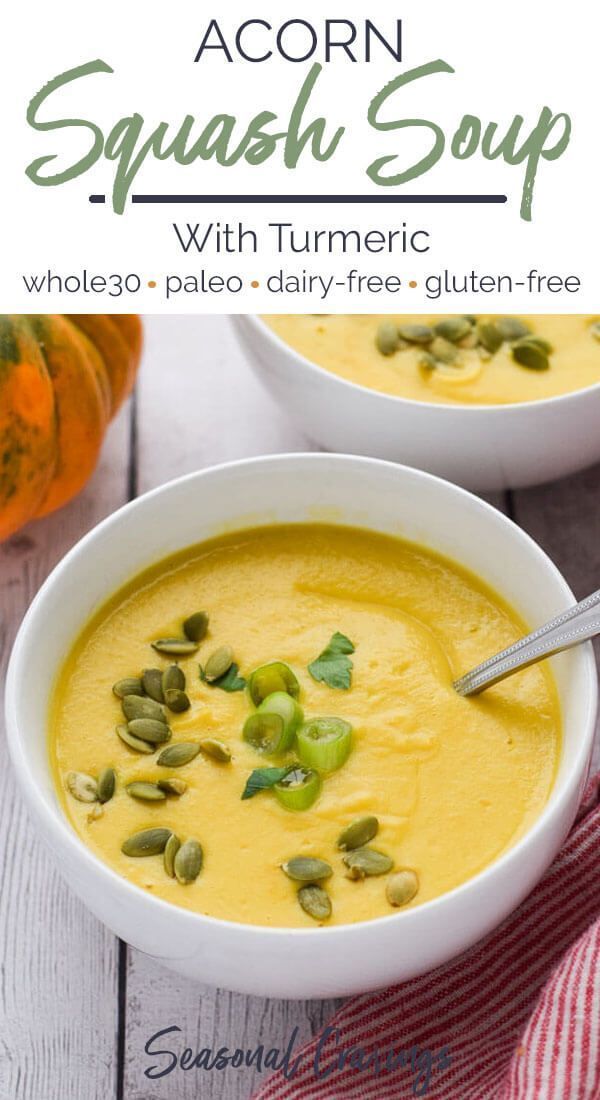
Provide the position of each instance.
(576, 625)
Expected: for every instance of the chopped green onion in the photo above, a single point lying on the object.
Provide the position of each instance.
(324, 743)
(265, 732)
(290, 712)
(270, 678)
(298, 788)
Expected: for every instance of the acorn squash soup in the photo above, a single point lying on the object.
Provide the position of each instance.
(479, 360)
(264, 728)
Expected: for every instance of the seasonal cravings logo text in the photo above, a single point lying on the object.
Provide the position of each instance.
(306, 132)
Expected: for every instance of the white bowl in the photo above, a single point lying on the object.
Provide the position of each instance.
(481, 447)
(294, 488)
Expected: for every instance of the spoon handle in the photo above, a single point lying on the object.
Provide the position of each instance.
(577, 624)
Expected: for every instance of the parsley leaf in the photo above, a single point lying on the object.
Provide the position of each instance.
(230, 681)
(333, 666)
(262, 779)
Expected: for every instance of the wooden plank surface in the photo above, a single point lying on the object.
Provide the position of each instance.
(65, 988)
(58, 989)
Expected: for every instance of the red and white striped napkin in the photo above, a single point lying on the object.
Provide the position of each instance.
(515, 1018)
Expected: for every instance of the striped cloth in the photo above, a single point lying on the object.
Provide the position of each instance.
(515, 1018)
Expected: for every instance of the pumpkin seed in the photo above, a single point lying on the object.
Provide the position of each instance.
(107, 781)
(171, 849)
(133, 742)
(363, 862)
(195, 626)
(83, 787)
(535, 341)
(175, 756)
(490, 336)
(150, 842)
(146, 729)
(453, 328)
(387, 338)
(427, 362)
(136, 707)
(306, 869)
(443, 350)
(188, 862)
(512, 328)
(175, 647)
(218, 663)
(172, 786)
(528, 355)
(218, 750)
(315, 901)
(358, 833)
(173, 678)
(152, 681)
(146, 792)
(402, 888)
(177, 700)
(130, 685)
(416, 334)
(595, 330)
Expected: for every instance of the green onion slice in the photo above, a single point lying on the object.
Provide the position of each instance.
(290, 712)
(272, 678)
(324, 743)
(298, 789)
(265, 732)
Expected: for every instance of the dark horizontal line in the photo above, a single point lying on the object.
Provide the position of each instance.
(310, 198)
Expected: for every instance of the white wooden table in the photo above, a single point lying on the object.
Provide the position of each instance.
(76, 1006)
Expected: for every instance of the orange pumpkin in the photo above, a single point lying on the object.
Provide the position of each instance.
(62, 378)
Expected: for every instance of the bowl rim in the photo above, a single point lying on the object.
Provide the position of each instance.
(58, 828)
(444, 408)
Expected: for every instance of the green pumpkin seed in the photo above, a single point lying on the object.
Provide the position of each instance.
(490, 336)
(512, 328)
(131, 685)
(453, 328)
(146, 792)
(416, 334)
(171, 849)
(107, 781)
(363, 862)
(177, 700)
(133, 742)
(172, 786)
(595, 330)
(175, 647)
(443, 350)
(173, 678)
(146, 729)
(217, 750)
(358, 833)
(152, 681)
(387, 338)
(83, 787)
(306, 869)
(427, 362)
(150, 842)
(530, 356)
(188, 862)
(402, 887)
(135, 707)
(195, 626)
(175, 756)
(218, 663)
(536, 342)
(315, 901)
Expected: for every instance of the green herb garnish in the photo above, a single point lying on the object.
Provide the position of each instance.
(333, 666)
(229, 682)
(262, 779)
